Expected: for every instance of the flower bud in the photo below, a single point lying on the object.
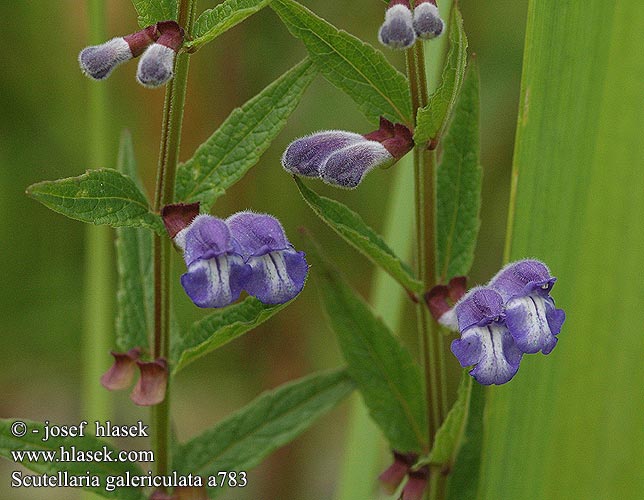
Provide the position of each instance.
(397, 32)
(343, 158)
(156, 66)
(98, 61)
(427, 21)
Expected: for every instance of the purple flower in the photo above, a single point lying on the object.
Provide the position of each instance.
(278, 270)
(248, 252)
(343, 158)
(427, 21)
(530, 312)
(397, 32)
(485, 340)
(216, 270)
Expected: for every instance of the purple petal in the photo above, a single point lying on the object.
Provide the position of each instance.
(305, 156)
(480, 306)
(205, 238)
(346, 167)
(527, 320)
(522, 278)
(98, 61)
(277, 276)
(257, 234)
(493, 352)
(216, 282)
(397, 32)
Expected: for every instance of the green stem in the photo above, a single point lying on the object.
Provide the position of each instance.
(166, 174)
(98, 285)
(430, 339)
(364, 449)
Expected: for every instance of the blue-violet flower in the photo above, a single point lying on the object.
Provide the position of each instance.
(343, 158)
(248, 251)
(530, 312)
(397, 32)
(485, 340)
(216, 270)
(278, 270)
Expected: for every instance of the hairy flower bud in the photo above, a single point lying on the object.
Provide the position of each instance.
(156, 66)
(343, 158)
(98, 61)
(427, 21)
(397, 32)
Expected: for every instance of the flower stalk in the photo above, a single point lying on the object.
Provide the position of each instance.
(166, 174)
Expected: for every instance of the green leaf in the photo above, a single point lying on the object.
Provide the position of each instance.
(135, 293)
(100, 197)
(463, 482)
(9, 445)
(350, 226)
(350, 64)
(213, 22)
(385, 373)
(153, 11)
(432, 120)
(242, 139)
(571, 422)
(449, 436)
(272, 420)
(219, 328)
(459, 185)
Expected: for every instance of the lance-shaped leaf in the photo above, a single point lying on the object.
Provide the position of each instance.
(242, 139)
(213, 22)
(463, 482)
(134, 261)
(153, 11)
(272, 420)
(219, 328)
(385, 373)
(433, 118)
(350, 226)
(449, 436)
(350, 64)
(41, 457)
(459, 185)
(102, 196)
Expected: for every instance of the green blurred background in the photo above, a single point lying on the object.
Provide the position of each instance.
(43, 135)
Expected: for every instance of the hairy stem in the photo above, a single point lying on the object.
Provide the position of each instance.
(166, 174)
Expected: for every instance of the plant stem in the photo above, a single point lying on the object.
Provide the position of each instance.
(166, 174)
(98, 285)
